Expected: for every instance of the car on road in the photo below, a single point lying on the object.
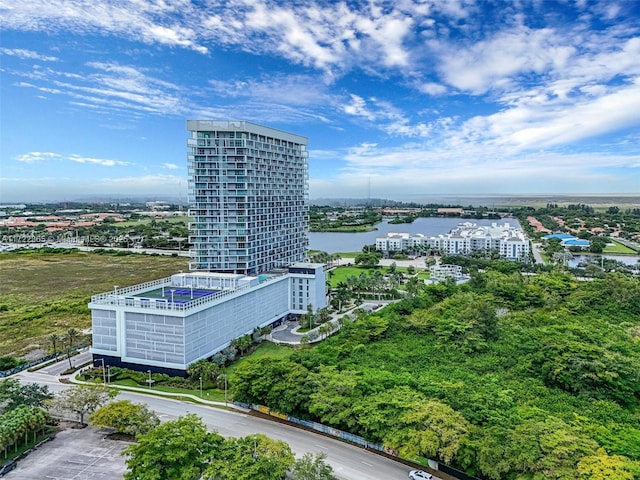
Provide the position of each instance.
(6, 467)
(419, 475)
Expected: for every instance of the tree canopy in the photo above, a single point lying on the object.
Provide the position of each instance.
(125, 417)
(509, 376)
(81, 400)
(175, 450)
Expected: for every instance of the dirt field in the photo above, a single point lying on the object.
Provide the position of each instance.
(42, 294)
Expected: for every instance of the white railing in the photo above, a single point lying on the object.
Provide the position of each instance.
(118, 298)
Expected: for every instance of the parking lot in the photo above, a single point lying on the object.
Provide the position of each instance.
(78, 454)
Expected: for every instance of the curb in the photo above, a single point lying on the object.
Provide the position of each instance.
(180, 396)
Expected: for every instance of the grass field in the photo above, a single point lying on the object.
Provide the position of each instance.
(617, 248)
(266, 350)
(48, 293)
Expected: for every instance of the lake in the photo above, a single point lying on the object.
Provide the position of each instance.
(332, 242)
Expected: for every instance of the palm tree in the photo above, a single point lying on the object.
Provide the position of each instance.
(55, 340)
(72, 334)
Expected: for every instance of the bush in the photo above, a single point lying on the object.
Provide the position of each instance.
(7, 363)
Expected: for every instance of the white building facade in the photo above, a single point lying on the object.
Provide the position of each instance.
(248, 190)
(510, 242)
(136, 328)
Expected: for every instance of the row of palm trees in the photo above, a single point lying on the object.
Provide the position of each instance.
(330, 260)
(19, 423)
(66, 343)
(375, 284)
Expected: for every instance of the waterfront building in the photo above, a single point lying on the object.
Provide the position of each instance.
(248, 192)
(510, 242)
(248, 189)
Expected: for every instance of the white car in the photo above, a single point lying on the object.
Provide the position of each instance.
(419, 475)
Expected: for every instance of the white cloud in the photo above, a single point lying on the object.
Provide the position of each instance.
(144, 21)
(170, 166)
(27, 54)
(34, 157)
(495, 63)
(111, 87)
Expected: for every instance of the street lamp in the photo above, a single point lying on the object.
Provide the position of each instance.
(104, 373)
(225, 390)
(150, 381)
(255, 447)
(200, 386)
(225, 386)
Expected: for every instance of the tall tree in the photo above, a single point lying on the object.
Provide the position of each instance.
(249, 458)
(81, 400)
(312, 467)
(175, 450)
(72, 335)
(14, 394)
(55, 340)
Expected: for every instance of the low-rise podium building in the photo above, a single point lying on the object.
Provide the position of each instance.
(172, 322)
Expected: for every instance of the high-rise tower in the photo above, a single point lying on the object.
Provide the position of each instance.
(248, 191)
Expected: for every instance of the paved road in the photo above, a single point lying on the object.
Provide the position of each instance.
(57, 368)
(536, 253)
(349, 462)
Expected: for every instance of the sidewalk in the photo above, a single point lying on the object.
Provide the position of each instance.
(150, 391)
(288, 332)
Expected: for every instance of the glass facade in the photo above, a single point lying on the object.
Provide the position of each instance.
(248, 190)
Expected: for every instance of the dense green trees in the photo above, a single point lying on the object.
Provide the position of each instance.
(17, 424)
(176, 450)
(14, 394)
(248, 458)
(21, 413)
(269, 382)
(466, 320)
(183, 449)
(508, 376)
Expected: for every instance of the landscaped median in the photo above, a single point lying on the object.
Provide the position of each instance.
(167, 392)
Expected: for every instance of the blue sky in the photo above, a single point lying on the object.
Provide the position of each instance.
(398, 98)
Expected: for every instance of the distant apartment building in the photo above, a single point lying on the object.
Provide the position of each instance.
(441, 272)
(248, 192)
(510, 242)
(248, 189)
